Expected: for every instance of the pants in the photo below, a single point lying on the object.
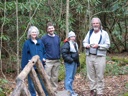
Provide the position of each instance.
(95, 72)
(32, 88)
(52, 70)
(70, 71)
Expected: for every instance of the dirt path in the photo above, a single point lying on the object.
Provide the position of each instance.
(114, 86)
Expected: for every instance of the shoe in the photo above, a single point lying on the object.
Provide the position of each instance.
(74, 94)
(93, 92)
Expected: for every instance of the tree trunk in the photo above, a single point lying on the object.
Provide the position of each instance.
(67, 17)
(1, 42)
(17, 38)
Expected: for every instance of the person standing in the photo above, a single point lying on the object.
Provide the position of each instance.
(51, 43)
(71, 61)
(33, 46)
(96, 43)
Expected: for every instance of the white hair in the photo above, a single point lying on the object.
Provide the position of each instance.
(98, 20)
(31, 28)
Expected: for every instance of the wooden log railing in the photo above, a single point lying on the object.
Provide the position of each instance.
(22, 90)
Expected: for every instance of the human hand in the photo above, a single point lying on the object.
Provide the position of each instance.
(88, 46)
(94, 46)
(44, 60)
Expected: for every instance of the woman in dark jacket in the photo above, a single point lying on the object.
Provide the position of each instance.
(33, 46)
(71, 59)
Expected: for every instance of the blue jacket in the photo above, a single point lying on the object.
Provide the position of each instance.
(52, 46)
(31, 49)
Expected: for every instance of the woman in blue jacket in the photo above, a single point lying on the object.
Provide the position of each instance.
(32, 46)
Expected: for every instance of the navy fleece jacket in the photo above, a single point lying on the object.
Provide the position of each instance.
(31, 49)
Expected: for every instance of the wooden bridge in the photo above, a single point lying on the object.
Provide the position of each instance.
(22, 90)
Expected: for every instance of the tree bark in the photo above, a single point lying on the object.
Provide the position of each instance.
(25, 91)
(44, 78)
(17, 31)
(36, 82)
(67, 17)
(17, 90)
(27, 68)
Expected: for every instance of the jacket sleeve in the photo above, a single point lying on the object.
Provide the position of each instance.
(106, 44)
(44, 54)
(25, 52)
(85, 41)
(65, 50)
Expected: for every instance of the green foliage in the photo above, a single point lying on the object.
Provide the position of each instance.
(61, 72)
(82, 68)
(113, 15)
(122, 61)
(125, 94)
(2, 81)
(126, 85)
(116, 68)
(3, 90)
(112, 69)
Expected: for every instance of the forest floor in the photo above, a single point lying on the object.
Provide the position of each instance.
(114, 85)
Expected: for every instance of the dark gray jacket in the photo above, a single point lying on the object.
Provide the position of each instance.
(68, 56)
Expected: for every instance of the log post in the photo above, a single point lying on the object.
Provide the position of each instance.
(25, 91)
(44, 78)
(36, 82)
(20, 86)
(17, 90)
(24, 73)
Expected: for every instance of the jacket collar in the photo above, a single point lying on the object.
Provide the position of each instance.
(33, 42)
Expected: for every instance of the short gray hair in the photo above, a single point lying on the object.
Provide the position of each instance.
(31, 28)
(98, 20)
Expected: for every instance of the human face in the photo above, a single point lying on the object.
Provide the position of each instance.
(73, 38)
(33, 34)
(96, 24)
(51, 30)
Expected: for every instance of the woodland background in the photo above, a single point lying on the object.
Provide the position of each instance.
(17, 15)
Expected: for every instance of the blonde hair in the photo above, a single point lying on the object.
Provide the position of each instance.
(31, 28)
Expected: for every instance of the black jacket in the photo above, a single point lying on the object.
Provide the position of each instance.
(68, 56)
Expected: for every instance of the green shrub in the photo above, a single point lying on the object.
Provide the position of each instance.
(61, 72)
(3, 90)
(125, 94)
(114, 69)
(82, 68)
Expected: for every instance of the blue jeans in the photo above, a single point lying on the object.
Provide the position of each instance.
(32, 88)
(70, 71)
